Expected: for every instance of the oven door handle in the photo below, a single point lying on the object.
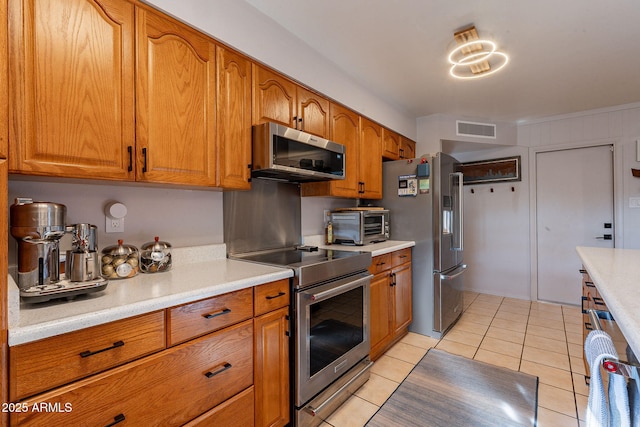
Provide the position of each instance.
(320, 296)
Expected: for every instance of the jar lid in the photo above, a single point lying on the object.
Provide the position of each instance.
(156, 246)
(120, 249)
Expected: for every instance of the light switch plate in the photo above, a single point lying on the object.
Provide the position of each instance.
(634, 202)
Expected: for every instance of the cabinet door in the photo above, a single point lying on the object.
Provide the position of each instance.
(402, 299)
(313, 113)
(4, 346)
(165, 389)
(72, 87)
(4, 85)
(390, 144)
(381, 307)
(370, 162)
(272, 368)
(41, 365)
(407, 148)
(175, 102)
(274, 98)
(234, 119)
(345, 130)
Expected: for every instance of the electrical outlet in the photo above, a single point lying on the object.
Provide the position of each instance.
(114, 225)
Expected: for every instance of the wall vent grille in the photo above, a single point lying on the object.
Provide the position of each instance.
(478, 130)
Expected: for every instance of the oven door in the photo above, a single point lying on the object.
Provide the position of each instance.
(332, 332)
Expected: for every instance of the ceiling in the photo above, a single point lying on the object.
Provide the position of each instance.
(565, 56)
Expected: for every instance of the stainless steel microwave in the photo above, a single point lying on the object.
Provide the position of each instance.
(287, 154)
(360, 227)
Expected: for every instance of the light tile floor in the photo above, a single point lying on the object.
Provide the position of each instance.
(537, 338)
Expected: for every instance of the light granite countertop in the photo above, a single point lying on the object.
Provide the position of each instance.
(616, 274)
(196, 273)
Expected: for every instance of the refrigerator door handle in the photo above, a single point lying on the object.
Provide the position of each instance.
(460, 211)
(460, 270)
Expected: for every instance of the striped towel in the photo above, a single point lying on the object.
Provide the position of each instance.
(603, 412)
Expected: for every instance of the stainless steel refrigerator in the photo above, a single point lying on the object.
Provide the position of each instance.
(424, 197)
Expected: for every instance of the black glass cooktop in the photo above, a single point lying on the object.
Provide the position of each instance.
(310, 264)
(298, 257)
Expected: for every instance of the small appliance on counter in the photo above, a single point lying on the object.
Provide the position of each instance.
(360, 226)
(155, 257)
(120, 261)
(38, 228)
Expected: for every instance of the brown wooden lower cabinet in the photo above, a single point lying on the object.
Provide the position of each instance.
(391, 300)
(234, 412)
(237, 375)
(272, 368)
(169, 388)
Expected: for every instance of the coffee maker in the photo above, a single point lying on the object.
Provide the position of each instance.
(38, 228)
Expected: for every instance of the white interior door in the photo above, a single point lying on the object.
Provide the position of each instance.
(574, 207)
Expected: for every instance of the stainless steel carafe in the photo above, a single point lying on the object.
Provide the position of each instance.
(83, 262)
(37, 227)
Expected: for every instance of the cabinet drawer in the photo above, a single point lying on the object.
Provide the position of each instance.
(168, 389)
(234, 412)
(380, 263)
(51, 362)
(201, 317)
(400, 257)
(271, 296)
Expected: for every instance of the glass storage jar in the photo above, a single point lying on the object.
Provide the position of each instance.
(120, 261)
(155, 256)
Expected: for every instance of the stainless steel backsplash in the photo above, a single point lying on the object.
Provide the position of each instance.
(266, 217)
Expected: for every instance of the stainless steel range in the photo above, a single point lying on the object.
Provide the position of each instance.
(330, 298)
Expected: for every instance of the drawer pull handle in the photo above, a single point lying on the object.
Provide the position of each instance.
(590, 284)
(583, 271)
(276, 296)
(91, 353)
(598, 301)
(219, 371)
(130, 151)
(588, 326)
(116, 420)
(381, 263)
(220, 313)
(144, 158)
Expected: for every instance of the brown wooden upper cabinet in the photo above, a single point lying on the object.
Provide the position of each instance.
(407, 148)
(94, 96)
(175, 102)
(62, 122)
(395, 146)
(233, 115)
(390, 144)
(362, 139)
(370, 160)
(280, 100)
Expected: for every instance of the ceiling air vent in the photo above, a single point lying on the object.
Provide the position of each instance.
(478, 130)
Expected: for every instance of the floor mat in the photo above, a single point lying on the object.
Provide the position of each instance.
(449, 390)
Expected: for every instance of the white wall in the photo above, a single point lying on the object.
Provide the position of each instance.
(180, 217)
(498, 224)
(496, 227)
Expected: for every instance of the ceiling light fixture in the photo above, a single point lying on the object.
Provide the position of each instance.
(473, 57)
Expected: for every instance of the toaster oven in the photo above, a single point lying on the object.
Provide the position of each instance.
(360, 227)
